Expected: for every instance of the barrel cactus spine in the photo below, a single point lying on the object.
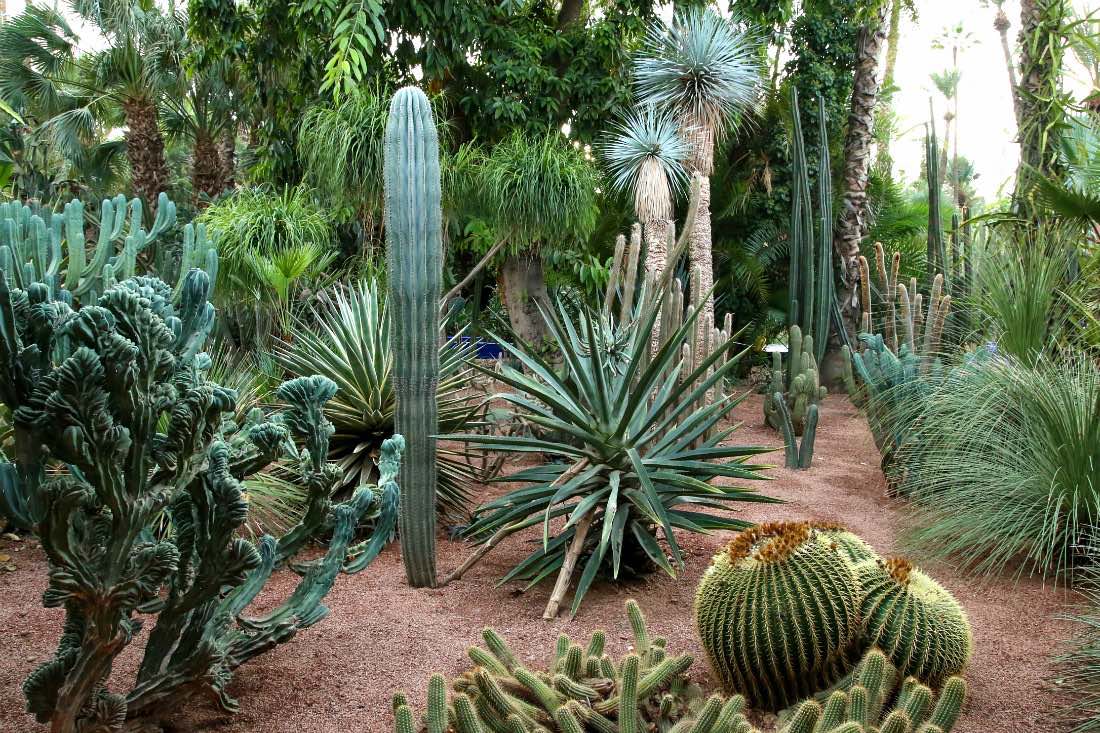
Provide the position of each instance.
(818, 596)
(414, 257)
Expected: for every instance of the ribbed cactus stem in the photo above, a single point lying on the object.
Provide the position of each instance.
(415, 253)
(628, 696)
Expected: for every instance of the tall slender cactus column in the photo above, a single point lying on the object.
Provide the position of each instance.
(415, 257)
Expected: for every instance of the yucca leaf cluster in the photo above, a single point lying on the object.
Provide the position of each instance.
(346, 338)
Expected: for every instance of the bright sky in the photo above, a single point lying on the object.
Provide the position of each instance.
(986, 126)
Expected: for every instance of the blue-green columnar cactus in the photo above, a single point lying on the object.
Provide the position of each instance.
(114, 399)
(415, 259)
(38, 245)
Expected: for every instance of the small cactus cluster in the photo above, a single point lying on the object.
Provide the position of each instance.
(41, 246)
(778, 584)
(862, 706)
(791, 403)
(649, 691)
(581, 690)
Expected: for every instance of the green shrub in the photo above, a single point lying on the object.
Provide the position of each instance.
(1004, 464)
(1079, 667)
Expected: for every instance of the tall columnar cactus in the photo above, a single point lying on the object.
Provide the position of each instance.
(759, 601)
(810, 287)
(914, 620)
(414, 254)
(115, 397)
(39, 245)
(936, 255)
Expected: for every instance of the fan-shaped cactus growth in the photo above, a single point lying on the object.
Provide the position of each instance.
(114, 399)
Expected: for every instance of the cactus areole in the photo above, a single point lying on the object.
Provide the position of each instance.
(414, 258)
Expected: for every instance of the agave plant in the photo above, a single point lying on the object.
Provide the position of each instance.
(632, 446)
(346, 338)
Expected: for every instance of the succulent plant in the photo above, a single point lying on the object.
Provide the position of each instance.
(862, 706)
(795, 455)
(581, 689)
(414, 252)
(772, 588)
(798, 383)
(114, 400)
(34, 243)
(914, 620)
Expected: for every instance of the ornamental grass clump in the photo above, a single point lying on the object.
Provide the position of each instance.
(1003, 465)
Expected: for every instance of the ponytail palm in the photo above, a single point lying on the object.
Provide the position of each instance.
(645, 154)
(346, 338)
(703, 69)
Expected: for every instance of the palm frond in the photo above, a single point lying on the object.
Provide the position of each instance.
(645, 154)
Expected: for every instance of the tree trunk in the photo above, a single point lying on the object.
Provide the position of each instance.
(1001, 24)
(206, 170)
(227, 156)
(571, 12)
(523, 285)
(852, 225)
(657, 232)
(1039, 93)
(145, 150)
(699, 247)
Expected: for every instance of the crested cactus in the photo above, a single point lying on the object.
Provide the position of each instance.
(415, 260)
(50, 247)
(914, 620)
(756, 648)
(114, 397)
(810, 285)
(798, 383)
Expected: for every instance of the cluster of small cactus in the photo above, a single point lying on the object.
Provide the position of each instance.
(898, 350)
(583, 690)
(117, 429)
(414, 253)
(861, 707)
(777, 585)
(41, 246)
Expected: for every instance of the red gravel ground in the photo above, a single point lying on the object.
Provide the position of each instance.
(383, 636)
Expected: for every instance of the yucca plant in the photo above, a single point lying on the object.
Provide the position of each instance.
(346, 337)
(1003, 462)
(632, 447)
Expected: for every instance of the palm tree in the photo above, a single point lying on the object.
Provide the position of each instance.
(705, 70)
(135, 72)
(645, 155)
(852, 225)
(1039, 95)
(1001, 24)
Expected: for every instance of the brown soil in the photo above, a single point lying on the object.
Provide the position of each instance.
(383, 636)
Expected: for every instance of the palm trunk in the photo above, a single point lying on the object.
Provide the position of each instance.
(657, 232)
(1002, 24)
(523, 287)
(893, 37)
(851, 225)
(227, 156)
(145, 150)
(206, 170)
(1039, 93)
